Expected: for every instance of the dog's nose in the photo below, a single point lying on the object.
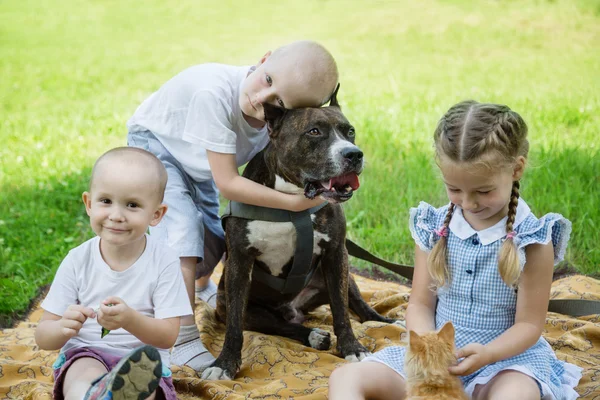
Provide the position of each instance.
(352, 154)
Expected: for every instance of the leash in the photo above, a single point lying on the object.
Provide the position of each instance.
(301, 272)
(355, 250)
(573, 307)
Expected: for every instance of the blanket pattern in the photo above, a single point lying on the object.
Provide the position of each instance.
(274, 367)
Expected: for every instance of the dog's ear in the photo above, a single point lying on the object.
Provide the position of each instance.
(333, 99)
(273, 117)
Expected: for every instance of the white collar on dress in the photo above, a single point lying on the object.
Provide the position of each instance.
(461, 228)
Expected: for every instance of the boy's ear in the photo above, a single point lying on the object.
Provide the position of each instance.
(158, 214)
(87, 200)
(333, 99)
(263, 58)
(273, 117)
(447, 332)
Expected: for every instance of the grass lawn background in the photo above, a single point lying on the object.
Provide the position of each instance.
(72, 72)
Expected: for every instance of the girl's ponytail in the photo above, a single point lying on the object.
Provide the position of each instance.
(508, 258)
(437, 261)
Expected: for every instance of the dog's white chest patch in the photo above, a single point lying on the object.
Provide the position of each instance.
(277, 243)
(286, 187)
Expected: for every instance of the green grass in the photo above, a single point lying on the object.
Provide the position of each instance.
(72, 72)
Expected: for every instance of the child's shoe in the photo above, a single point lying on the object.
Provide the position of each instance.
(135, 377)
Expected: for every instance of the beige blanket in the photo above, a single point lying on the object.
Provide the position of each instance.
(278, 368)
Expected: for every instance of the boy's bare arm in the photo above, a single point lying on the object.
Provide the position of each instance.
(160, 333)
(53, 331)
(237, 188)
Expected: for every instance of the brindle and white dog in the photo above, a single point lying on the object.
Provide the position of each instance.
(311, 151)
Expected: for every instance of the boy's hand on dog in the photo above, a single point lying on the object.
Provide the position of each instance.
(475, 356)
(302, 203)
(114, 313)
(73, 319)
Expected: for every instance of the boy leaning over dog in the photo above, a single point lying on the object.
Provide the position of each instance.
(203, 124)
(122, 280)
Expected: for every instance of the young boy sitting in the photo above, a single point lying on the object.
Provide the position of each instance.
(123, 281)
(203, 124)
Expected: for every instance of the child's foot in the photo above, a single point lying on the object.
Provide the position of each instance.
(136, 376)
(190, 351)
(208, 293)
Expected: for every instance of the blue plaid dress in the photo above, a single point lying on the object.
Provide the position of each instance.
(478, 302)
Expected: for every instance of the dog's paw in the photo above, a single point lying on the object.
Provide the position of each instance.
(215, 374)
(357, 357)
(319, 339)
(400, 323)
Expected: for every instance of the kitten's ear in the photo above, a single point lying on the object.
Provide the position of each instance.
(447, 332)
(414, 339)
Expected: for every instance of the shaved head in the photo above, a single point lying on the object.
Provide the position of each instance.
(129, 156)
(310, 63)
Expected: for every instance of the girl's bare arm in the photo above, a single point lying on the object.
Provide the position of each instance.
(420, 314)
(532, 304)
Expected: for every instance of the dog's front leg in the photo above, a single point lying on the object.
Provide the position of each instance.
(237, 271)
(335, 269)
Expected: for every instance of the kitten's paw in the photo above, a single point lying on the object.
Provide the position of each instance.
(319, 339)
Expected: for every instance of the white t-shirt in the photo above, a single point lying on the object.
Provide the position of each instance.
(153, 286)
(198, 110)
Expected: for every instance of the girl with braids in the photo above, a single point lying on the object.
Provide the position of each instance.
(484, 262)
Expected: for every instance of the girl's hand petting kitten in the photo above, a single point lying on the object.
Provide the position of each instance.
(475, 356)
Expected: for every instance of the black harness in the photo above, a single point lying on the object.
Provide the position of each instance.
(301, 271)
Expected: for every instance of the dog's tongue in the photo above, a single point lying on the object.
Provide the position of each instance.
(341, 181)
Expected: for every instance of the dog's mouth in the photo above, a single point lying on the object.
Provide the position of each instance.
(337, 189)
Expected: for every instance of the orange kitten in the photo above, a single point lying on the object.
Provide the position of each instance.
(427, 360)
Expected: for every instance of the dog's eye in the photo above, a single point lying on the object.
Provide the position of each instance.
(351, 132)
(314, 132)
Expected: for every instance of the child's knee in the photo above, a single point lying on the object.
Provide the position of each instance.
(86, 367)
(528, 392)
(339, 374)
(509, 385)
(365, 380)
(346, 374)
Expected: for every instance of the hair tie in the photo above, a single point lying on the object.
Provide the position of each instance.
(442, 232)
(511, 234)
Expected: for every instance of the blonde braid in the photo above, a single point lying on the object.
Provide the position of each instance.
(508, 258)
(492, 135)
(437, 261)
